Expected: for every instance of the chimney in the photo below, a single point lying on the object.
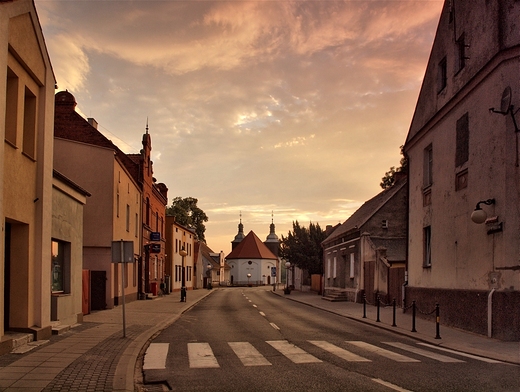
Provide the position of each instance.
(92, 122)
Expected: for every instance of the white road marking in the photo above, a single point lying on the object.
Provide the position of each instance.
(275, 326)
(155, 357)
(254, 306)
(390, 385)
(488, 360)
(262, 313)
(248, 354)
(295, 354)
(338, 351)
(201, 356)
(381, 351)
(424, 353)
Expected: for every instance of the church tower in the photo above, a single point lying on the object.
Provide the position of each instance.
(240, 235)
(272, 241)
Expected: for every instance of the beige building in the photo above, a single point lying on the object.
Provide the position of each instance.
(26, 125)
(68, 200)
(463, 150)
(178, 238)
(113, 212)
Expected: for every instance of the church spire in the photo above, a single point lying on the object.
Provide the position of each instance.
(240, 235)
(272, 241)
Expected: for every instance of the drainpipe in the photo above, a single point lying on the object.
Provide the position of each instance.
(490, 313)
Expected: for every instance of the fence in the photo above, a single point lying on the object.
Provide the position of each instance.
(414, 308)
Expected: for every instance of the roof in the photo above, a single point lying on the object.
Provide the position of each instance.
(68, 124)
(367, 210)
(251, 247)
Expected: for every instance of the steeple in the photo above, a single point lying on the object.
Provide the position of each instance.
(272, 241)
(240, 235)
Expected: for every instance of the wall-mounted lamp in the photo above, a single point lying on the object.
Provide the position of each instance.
(479, 216)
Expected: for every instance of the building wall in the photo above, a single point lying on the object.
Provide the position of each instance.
(67, 226)
(26, 91)
(260, 270)
(470, 263)
(105, 215)
(178, 237)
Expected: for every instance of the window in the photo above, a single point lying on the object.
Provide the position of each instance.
(462, 140)
(29, 124)
(148, 211)
(352, 266)
(60, 268)
(136, 224)
(117, 204)
(11, 107)
(427, 234)
(461, 53)
(442, 76)
(328, 268)
(334, 270)
(428, 166)
(128, 218)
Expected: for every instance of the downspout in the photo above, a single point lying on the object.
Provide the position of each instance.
(490, 313)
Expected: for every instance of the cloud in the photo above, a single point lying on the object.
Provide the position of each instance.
(296, 107)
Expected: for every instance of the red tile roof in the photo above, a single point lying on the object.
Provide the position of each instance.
(251, 247)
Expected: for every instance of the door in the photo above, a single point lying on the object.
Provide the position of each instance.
(98, 286)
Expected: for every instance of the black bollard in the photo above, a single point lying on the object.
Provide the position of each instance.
(393, 304)
(437, 322)
(364, 306)
(413, 317)
(378, 306)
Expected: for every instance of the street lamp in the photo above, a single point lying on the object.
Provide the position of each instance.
(209, 285)
(183, 254)
(479, 215)
(248, 277)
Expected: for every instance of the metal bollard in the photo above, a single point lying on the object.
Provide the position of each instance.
(378, 307)
(364, 306)
(393, 304)
(413, 317)
(437, 322)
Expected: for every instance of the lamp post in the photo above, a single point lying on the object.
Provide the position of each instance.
(287, 290)
(183, 254)
(209, 285)
(248, 277)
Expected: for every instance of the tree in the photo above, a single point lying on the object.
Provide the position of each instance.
(187, 213)
(389, 179)
(302, 247)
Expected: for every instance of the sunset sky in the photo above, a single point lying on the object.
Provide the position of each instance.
(290, 108)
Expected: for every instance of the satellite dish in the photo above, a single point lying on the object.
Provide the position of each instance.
(505, 103)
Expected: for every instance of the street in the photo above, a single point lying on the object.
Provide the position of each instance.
(249, 339)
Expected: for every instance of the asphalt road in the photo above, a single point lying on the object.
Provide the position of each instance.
(247, 339)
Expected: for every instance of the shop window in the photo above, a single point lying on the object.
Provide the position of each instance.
(60, 273)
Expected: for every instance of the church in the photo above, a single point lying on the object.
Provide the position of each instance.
(252, 261)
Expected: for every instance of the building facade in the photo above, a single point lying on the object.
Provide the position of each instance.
(113, 212)
(154, 201)
(463, 151)
(179, 269)
(68, 200)
(26, 123)
(366, 254)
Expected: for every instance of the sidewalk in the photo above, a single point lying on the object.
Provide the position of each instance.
(95, 356)
(450, 338)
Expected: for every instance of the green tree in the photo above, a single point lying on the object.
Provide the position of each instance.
(302, 247)
(187, 213)
(389, 179)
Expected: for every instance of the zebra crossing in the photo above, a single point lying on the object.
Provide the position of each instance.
(201, 355)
